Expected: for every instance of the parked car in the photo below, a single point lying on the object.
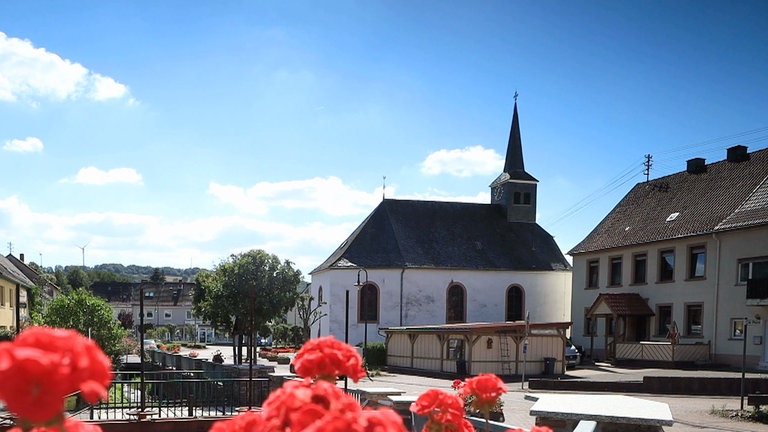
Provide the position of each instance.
(149, 344)
(572, 355)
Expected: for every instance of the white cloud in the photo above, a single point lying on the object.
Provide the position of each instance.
(27, 145)
(95, 176)
(328, 195)
(30, 73)
(469, 161)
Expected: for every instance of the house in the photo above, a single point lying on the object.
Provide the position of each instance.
(169, 304)
(14, 287)
(680, 267)
(413, 263)
(49, 290)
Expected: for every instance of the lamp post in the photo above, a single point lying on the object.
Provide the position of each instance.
(142, 400)
(363, 308)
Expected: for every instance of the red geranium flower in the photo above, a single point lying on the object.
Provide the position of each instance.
(69, 425)
(248, 421)
(308, 406)
(486, 389)
(440, 407)
(43, 365)
(327, 358)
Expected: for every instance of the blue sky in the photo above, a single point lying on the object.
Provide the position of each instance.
(175, 133)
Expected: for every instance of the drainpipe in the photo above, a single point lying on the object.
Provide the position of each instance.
(717, 292)
(402, 273)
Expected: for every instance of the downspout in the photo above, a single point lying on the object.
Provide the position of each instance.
(402, 273)
(717, 292)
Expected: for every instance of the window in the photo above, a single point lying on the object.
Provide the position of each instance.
(697, 259)
(455, 311)
(737, 328)
(593, 271)
(11, 296)
(615, 272)
(167, 314)
(368, 296)
(693, 320)
(667, 265)
(663, 319)
(2, 296)
(515, 303)
(527, 198)
(189, 315)
(149, 314)
(753, 269)
(455, 349)
(609, 324)
(639, 268)
(516, 198)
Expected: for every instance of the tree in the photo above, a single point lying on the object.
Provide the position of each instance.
(90, 315)
(157, 277)
(78, 278)
(245, 292)
(126, 318)
(308, 313)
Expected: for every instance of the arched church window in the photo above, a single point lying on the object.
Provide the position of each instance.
(516, 198)
(456, 304)
(368, 303)
(515, 303)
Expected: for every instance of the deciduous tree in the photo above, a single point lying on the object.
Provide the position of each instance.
(245, 292)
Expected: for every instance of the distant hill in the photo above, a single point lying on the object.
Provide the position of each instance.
(136, 273)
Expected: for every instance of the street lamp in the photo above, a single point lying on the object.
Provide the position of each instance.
(142, 400)
(363, 308)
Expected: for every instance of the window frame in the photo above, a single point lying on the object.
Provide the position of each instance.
(699, 250)
(593, 267)
(508, 312)
(448, 314)
(375, 306)
(453, 346)
(615, 267)
(639, 257)
(750, 262)
(736, 325)
(167, 314)
(688, 329)
(662, 267)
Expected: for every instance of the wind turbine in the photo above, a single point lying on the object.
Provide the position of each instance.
(82, 248)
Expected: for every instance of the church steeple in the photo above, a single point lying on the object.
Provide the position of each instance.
(515, 189)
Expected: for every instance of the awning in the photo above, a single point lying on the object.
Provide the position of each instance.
(620, 304)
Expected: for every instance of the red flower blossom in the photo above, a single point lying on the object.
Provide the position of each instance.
(486, 389)
(69, 425)
(533, 429)
(327, 358)
(248, 421)
(443, 410)
(308, 406)
(43, 365)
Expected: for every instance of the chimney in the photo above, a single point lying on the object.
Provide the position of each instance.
(697, 166)
(737, 153)
(21, 257)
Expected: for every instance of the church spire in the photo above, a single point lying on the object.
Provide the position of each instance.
(514, 161)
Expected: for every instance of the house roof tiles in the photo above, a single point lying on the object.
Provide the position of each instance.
(727, 195)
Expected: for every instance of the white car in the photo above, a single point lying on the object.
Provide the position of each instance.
(572, 355)
(149, 344)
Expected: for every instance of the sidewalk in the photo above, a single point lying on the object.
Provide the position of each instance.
(691, 413)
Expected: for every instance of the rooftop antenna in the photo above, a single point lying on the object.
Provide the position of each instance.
(10, 248)
(82, 248)
(648, 163)
(384, 187)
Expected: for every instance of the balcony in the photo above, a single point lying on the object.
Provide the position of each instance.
(757, 292)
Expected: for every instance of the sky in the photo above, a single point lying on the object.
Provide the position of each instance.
(176, 133)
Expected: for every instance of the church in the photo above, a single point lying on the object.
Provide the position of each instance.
(412, 263)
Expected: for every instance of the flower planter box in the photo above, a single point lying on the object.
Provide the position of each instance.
(283, 360)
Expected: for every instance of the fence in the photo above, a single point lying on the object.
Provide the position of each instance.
(170, 394)
(663, 352)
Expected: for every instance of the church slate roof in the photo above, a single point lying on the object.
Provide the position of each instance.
(726, 196)
(446, 235)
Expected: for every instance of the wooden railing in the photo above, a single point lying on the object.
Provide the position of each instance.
(663, 352)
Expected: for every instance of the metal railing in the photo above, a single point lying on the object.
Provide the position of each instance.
(173, 394)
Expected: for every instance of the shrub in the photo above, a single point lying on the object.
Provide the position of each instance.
(376, 355)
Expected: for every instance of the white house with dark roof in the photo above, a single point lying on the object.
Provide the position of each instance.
(428, 263)
(693, 246)
(14, 286)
